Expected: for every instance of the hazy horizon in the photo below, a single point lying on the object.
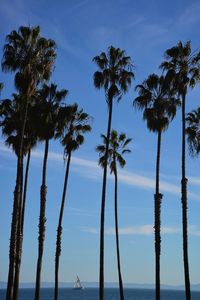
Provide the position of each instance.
(83, 29)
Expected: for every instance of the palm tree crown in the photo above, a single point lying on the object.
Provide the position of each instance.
(30, 55)
(183, 65)
(193, 131)
(114, 73)
(73, 123)
(47, 109)
(12, 112)
(118, 146)
(156, 99)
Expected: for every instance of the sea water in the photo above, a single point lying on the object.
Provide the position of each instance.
(110, 294)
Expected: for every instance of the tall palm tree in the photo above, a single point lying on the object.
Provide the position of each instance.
(47, 110)
(193, 131)
(114, 76)
(29, 142)
(74, 123)
(31, 57)
(183, 65)
(118, 147)
(156, 100)
(12, 120)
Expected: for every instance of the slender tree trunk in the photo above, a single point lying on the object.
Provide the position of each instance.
(117, 239)
(20, 231)
(25, 190)
(59, 229)
(103, 200)
(42, 221)
(157, 224)
(184, 207)
(15, 213)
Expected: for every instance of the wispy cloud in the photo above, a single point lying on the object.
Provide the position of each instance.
(90, 169)
(194, 180)
(80, 212)
(145, 230)
(90, 230)
(193, 230)
(191, 14)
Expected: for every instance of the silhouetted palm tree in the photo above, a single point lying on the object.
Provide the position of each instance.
(30, 139)
(74, 123)
(193, 131)
(11, 123)
(115, 77)
(158, 104)
(47, 110)
(183, 65)
(31, 57)
(118, 146)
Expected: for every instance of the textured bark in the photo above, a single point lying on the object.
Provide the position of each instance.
(15, 213)
(157, 220)
(20, 231)
(25, 189)
(103, 200)
(42, 221)
(184, 208)
(59, 229)
(117, 239)
(13, 238)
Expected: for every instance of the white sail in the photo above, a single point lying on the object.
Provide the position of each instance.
(77, 284)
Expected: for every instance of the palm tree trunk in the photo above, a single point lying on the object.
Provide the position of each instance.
(157, 224)
(16, 213)
(12, 250)
(117, 239)
(42, 221)
(59, 229)
(103, 200)
(184, 207)
(25, 189)
(20, 231)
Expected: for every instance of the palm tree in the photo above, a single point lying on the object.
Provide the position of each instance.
(158, 104)
(31, 57)
(183, 65)
(47, 110)
(12, 120)
(115, 77)
(74, 123)
(118, 146)
(193, 131)
(29, 142)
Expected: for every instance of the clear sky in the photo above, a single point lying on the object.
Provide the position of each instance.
(82, 29)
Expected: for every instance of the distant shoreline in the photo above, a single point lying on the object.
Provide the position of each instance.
(70, 285)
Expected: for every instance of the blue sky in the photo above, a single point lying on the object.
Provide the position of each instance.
(82, 29)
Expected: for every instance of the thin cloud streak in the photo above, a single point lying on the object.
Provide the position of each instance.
(80, 212)
(90, 169)
(145, 230)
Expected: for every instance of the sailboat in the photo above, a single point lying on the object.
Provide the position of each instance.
(77, 285)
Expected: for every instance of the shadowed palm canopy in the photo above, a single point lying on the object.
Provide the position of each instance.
(30, 55)
(193, 131)
(158, 102)
(73, 124)
(46, 110)
(11, 122)
(115, 73)
(118, 147)
(183, 65)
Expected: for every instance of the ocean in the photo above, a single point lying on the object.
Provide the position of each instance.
(110, 294)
